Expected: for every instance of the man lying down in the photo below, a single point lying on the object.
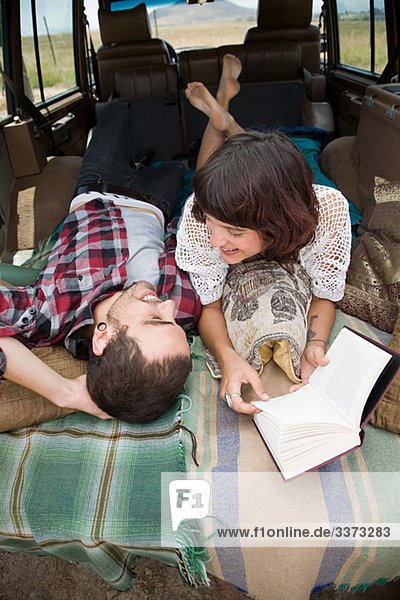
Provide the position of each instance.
(101, 294)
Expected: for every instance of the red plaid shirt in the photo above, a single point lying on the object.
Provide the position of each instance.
(86, 265)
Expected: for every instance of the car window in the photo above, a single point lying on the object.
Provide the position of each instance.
(47, 48)
(3, 100)
(362, 34)
(198, 25)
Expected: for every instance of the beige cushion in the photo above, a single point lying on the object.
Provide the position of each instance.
(338, 164)
(40, 202)
(387, 415)
(20, 407)
(265, 309)
(373, 280)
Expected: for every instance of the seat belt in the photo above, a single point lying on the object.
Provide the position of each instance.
(390, 68)
(43, 124)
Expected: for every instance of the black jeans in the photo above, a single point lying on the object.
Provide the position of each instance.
(108, 164)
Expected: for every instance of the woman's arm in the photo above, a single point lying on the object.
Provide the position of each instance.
(26, 369)
(328, 270)
(321, 315)
(320, 319)
(235, 370)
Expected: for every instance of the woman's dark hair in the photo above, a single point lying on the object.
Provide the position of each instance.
(260, 181)
(128, 386)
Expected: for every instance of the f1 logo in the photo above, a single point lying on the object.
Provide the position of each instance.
(189, 499)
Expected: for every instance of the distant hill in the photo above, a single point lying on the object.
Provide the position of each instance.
(220, 10)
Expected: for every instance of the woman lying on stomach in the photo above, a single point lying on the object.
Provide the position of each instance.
(254, 197)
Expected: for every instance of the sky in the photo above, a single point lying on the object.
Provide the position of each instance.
(91, 6)
(58, 17)
(57, 22)
(55, 14)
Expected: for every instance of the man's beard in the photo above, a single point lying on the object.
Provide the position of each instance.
(125, 300)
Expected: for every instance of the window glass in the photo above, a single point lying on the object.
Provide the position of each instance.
(91, 12)
(362, 34)
(381, 55)
(316, 11)
(30, 73)
(3, 103)
(193, 25)
(315, 20)
(55, 67)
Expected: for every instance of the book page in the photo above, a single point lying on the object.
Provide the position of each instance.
(305, 406)
(346, 382)
(337, 392)
(297, 446)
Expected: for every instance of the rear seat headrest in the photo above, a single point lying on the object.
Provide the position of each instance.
(125, 26)
(284, 14)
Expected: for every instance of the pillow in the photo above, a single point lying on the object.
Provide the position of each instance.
(372, 290)
(383, 191)
(387, 415)
(265, 309)
(20, 407)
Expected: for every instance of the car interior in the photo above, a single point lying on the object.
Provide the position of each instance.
(326, 73)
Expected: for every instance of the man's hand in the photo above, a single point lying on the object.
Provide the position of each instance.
(235, 373)
(313, 356)
(25, 368)
(79, 398)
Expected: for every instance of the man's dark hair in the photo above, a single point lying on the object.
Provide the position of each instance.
(128, 386)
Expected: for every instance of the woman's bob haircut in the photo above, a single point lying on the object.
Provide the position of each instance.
(260, 181)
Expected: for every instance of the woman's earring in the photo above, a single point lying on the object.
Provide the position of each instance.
(102, 326)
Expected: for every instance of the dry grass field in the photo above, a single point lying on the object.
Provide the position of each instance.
(214, 33)
(355, 46)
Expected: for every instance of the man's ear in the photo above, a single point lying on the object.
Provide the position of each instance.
(100, 340)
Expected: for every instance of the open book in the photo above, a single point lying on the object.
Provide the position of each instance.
(325, 418)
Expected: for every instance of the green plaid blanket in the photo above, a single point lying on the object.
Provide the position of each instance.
(89, 491)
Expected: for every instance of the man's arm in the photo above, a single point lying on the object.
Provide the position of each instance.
(25, 368)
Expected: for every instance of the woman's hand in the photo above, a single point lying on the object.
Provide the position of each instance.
(313, 356)
(236, 372)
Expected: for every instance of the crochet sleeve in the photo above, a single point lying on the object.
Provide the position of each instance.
(327, 258)
(195, 255)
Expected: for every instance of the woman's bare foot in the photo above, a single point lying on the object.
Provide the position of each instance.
(199, 97)
(228, 85)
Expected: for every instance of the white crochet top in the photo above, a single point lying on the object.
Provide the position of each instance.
(326, 259)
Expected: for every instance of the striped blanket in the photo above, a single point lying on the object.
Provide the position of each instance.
(351, 489)
(88, 491)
